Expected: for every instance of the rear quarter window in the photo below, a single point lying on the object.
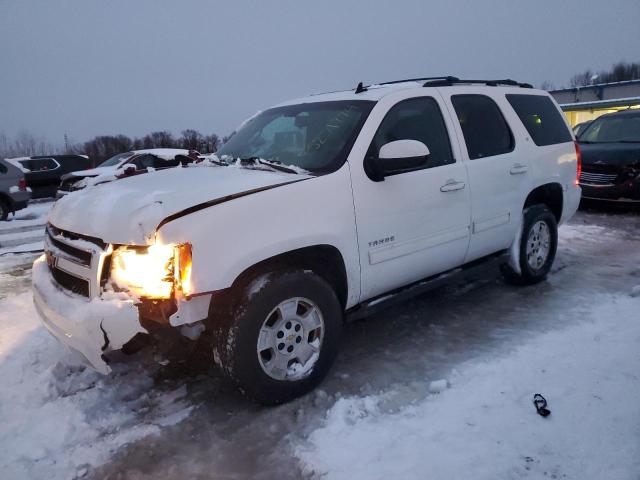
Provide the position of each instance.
(3, 169)
(541, 119)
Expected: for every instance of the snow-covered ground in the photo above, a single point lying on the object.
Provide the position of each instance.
(439, 387)
(485, 425)
(24, 230)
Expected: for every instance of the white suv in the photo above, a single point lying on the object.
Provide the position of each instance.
(316, 210)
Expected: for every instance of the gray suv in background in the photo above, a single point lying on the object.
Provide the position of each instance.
(14, 194)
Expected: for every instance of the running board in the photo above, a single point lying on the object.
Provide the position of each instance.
(478, 268)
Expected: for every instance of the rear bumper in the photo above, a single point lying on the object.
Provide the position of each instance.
(627, 191)
(20, 199)
(89, 328)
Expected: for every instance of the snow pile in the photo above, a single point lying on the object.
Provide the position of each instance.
(485, 426)
(58, 420)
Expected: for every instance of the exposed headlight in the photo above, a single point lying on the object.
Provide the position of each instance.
(154, 271)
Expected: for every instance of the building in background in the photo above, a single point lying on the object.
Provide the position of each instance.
(581, 104)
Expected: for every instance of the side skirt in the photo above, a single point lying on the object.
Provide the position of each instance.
(480, 268)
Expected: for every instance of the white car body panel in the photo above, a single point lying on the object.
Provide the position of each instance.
(269, 223)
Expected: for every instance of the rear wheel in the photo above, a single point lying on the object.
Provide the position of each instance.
(4, 210)
(278, 339)
(538, 244)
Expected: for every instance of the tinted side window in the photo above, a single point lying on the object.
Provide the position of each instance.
(416, 119)
(39, 164)
(144, 161)
(541, 119)
(485, 130)
(3, 168)
(162, 163)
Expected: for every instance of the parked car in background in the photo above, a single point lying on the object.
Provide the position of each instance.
(581, 127)
(14, 193)
(43, 173)
(610, 149)
(316, 209)
(155, 158)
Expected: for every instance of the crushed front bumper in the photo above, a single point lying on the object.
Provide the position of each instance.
(88, 327)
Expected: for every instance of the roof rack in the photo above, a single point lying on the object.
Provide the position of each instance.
(449, 81)
(442, 77)
(363, 88)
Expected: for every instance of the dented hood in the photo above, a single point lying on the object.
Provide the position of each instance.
(129, 210)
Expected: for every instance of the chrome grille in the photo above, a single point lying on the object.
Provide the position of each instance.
(75, 261)
(598, 178)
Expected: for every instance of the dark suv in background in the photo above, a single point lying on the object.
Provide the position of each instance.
(610, 148)
(43, 173)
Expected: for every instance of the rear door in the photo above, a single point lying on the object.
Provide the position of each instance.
(414, 224)
(498, 170)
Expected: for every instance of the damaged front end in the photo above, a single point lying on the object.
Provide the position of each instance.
(95, 297)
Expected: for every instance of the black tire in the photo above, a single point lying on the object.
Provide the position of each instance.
(529, 275)
(237, 324)
(4, 210)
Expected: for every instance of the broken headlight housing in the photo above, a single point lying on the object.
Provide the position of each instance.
(156, 271)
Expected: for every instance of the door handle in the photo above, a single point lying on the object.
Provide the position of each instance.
(518, 168)
(452, 186)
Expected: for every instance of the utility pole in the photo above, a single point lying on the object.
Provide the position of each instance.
(66, 143)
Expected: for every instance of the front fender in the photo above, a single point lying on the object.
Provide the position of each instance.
(230, 237)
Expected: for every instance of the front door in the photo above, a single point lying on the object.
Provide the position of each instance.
(414, 224)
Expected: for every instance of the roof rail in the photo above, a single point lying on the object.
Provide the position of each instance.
(449, 81)
(446, 81)
(363, 88)
(421, 79)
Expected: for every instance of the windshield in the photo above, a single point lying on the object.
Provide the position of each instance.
(115, 160)
(313, 136)
(622, 128)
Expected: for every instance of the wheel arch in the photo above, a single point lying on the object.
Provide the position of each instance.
(324, 260)
(549, 194)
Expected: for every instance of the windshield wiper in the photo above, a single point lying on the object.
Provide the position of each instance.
(267, 163)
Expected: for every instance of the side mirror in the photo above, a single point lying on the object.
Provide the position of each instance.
(398, 157)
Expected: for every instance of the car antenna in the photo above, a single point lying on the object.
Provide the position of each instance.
(360, 88)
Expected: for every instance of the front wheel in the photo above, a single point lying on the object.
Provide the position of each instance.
(278, 339)
(537, 249)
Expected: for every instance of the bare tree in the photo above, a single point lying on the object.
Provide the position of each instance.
(191, 140)
(618, 72)
(547, 85)
(211, 143)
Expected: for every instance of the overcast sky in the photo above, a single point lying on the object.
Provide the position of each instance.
(89, 67)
